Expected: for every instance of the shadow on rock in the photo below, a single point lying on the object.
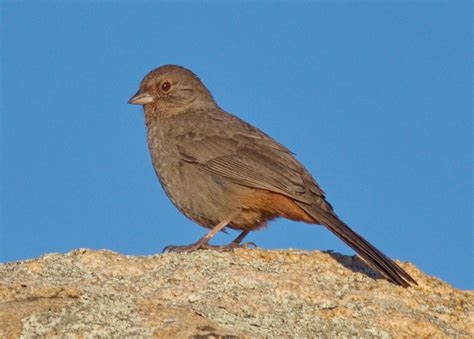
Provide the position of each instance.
(355, 264)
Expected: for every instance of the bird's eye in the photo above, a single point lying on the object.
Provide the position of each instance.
(166, 86)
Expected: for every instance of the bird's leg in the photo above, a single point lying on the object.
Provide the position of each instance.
(238, 240)
(201, 243)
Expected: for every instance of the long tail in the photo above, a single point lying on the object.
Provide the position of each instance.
(376, 259)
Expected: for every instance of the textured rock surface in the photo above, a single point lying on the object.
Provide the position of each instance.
(246, 293)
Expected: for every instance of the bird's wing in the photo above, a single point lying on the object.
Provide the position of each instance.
(248, 157)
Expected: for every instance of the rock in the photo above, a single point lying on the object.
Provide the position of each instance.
(207, 294)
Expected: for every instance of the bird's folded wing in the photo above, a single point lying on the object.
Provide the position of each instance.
(252, 161)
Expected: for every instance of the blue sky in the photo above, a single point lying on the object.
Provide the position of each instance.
(373, 97)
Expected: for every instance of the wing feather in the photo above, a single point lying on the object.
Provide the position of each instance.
(253, 160)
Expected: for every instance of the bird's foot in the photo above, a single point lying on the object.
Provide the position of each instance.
(192, 248)
(249, 244)
(198, 246)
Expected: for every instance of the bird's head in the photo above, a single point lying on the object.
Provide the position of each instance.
(170, 90)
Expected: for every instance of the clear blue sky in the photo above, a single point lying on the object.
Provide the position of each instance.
(373, 97)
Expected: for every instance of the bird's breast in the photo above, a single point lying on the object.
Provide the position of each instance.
(165, 159)
(197, 193)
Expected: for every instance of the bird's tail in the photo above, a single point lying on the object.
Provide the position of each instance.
(376, 259)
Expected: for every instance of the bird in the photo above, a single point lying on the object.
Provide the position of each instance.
(221, 172)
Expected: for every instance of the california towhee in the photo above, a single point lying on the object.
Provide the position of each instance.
(222, 172)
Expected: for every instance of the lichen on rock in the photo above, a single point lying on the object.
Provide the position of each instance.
(244, 293)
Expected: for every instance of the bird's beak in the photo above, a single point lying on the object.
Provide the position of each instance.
(141, 98)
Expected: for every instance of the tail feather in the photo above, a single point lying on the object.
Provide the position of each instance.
(376, 259)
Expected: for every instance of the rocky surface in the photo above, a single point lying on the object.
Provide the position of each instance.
(206, 294)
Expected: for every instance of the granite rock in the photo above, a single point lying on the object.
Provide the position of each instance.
(208, 294)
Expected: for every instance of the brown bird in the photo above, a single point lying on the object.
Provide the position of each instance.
(220, 171)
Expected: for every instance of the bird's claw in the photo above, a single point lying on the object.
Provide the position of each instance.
(191, 248)
(197, 246)
(249, 244)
